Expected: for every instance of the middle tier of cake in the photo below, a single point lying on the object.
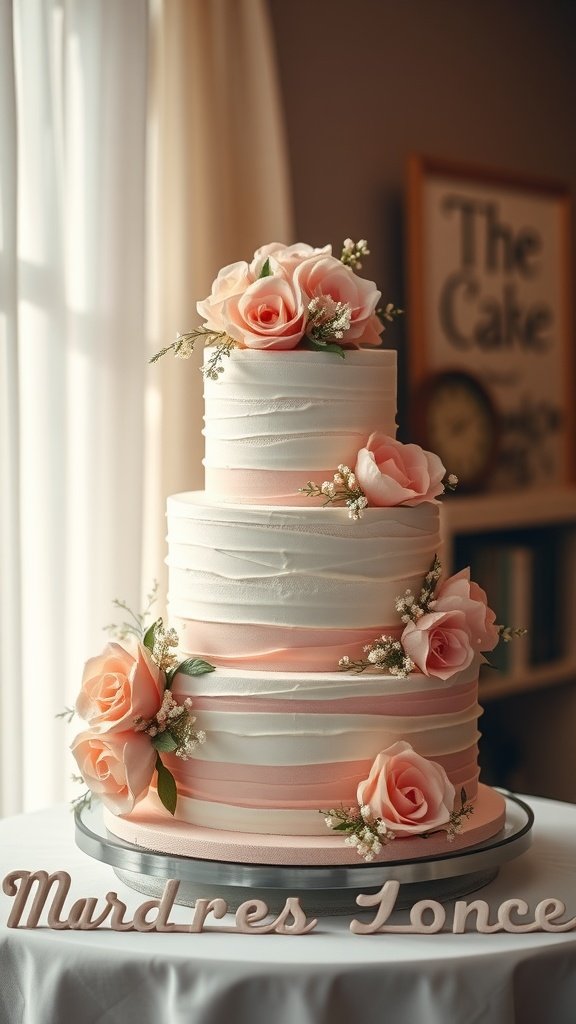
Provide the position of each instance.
(291, 588)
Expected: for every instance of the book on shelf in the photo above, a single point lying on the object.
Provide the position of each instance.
(548, 636)
(504, 571)
(567, 591)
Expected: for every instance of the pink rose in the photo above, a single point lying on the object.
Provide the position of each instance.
(325, 275)
(119, 685)
(231, 280)
(285, 257)
(391, 473)
(459, 593)
(117, 767)
(270, 314)
(408, 792)
(439, 643)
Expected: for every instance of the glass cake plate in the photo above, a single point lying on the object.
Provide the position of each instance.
(322, 890)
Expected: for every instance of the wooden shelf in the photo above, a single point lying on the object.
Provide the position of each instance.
(520, 528)
(489, 512)
(495, 684)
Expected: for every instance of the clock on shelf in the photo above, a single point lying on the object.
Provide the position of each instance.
(454, 416)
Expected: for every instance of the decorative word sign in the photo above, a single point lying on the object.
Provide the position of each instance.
(83, 914)
(427, 917)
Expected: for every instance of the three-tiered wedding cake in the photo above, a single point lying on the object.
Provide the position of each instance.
(345, 686)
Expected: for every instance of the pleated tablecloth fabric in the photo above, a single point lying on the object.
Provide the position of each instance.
(327, 977)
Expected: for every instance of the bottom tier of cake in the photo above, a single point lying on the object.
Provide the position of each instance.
(282, 747)
(149, 827)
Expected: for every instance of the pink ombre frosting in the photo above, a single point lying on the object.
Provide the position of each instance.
(273, 648)
(297, 742)
(307, 787)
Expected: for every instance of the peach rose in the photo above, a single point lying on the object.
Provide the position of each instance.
(408, 792)
(439, 643)
(270, 314)
(325, 275)
(231, 280)
(391, 473)
(119, 685)
(285, 257)
(459, 593)
(117, 767)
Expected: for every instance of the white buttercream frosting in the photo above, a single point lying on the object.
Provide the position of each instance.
(327, 686)
(268, 821)
(259, 738)
(297, 410)
(295, 567)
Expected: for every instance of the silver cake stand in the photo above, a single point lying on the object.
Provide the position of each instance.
(323, 890)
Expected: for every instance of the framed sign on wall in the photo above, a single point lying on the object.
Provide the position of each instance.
(489, 298)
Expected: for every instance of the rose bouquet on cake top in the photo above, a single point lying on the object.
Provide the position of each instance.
(132, 717)
(288, 296)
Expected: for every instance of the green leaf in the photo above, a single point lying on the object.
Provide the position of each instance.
(150, 634)
(463, 797)
(343, 826)
(195, 667)
(322, 346)
(165, 742)
(266, 271)
(166, 787)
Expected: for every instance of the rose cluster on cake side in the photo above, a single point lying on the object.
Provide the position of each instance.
(446, 626)
(125, 700)
(404, 795)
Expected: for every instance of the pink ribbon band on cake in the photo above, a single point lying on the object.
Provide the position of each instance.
(431, 703)
(264, 487)
(278, 648)
(301, 786)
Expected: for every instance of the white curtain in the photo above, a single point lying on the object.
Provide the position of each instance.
(72, 187)
(136, 157)
(220, 188)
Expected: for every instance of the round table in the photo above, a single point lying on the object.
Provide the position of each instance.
(326, 977)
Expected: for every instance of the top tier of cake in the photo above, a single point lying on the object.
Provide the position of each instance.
(273, 421)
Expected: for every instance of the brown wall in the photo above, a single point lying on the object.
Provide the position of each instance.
(365, 82)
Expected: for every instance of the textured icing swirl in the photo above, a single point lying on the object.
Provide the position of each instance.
(310, 568)
(293, 414)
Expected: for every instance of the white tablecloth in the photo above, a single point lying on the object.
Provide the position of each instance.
(327, 977)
